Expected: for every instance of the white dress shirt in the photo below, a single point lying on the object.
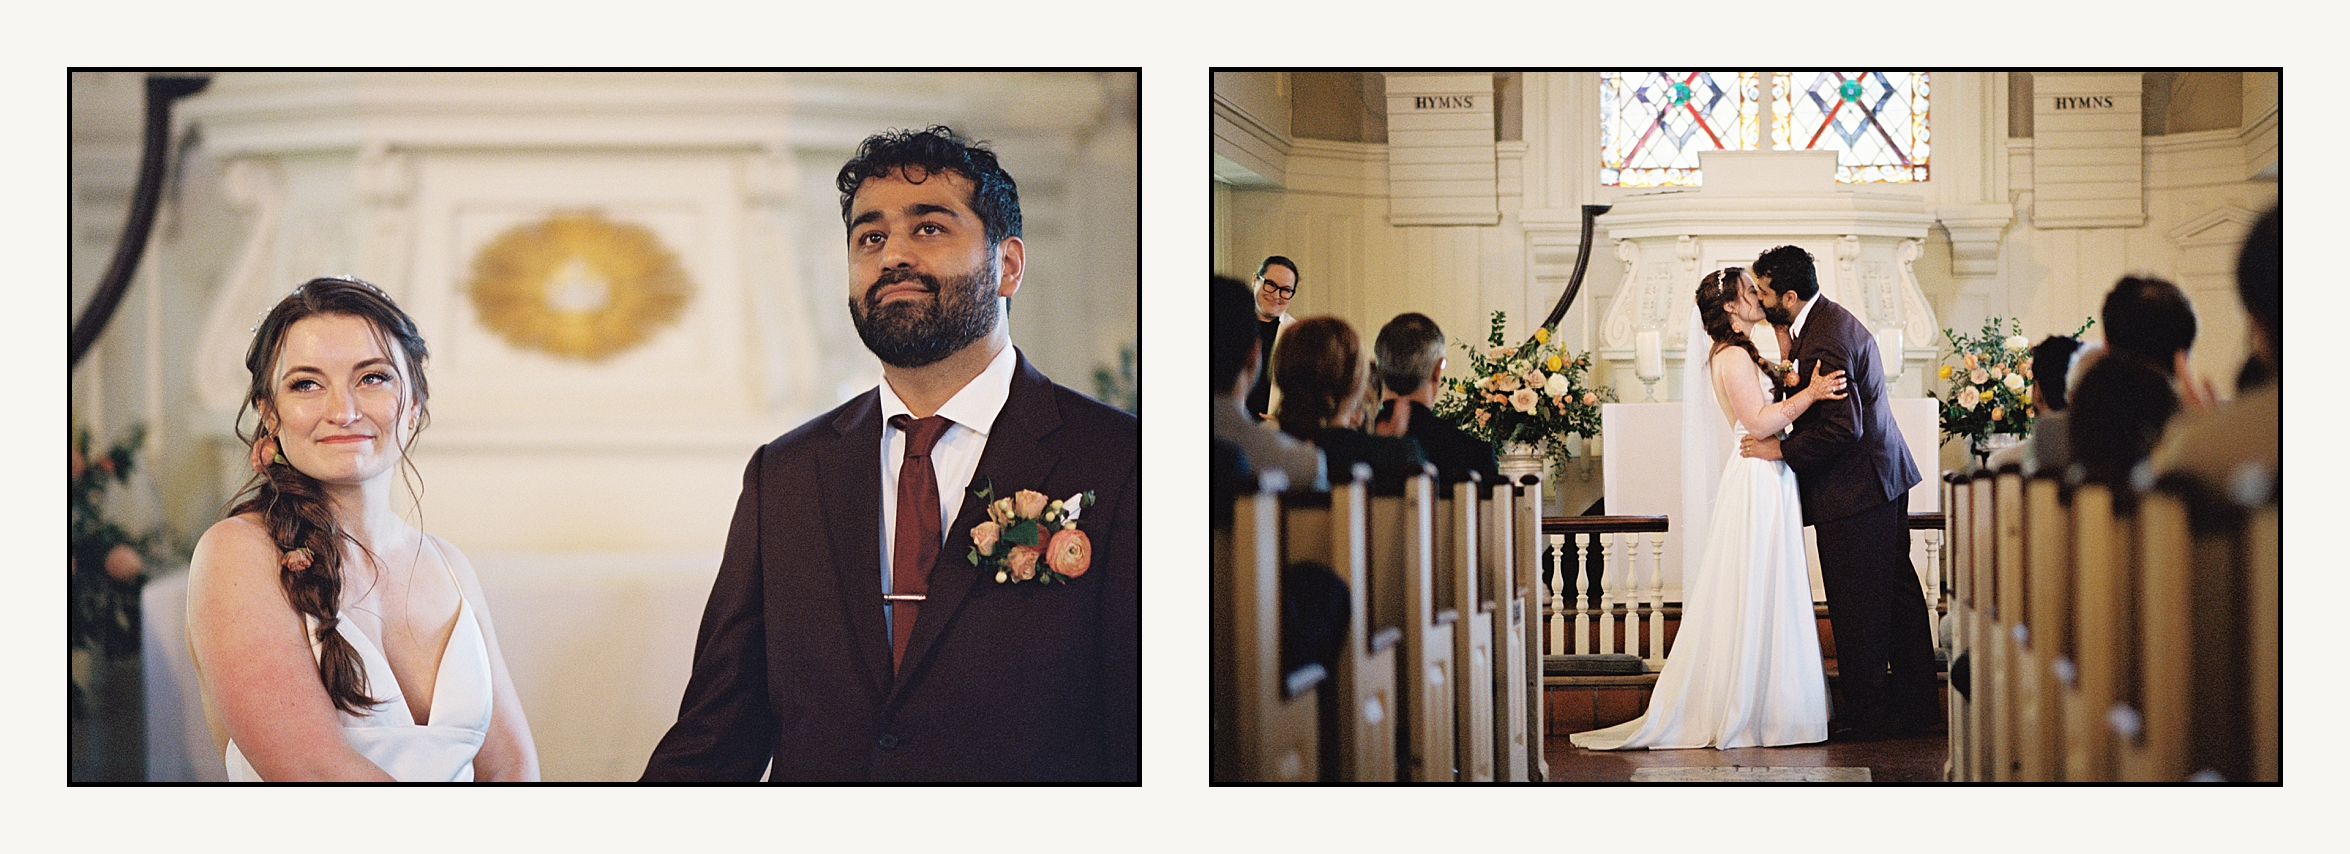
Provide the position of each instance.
(954, 459)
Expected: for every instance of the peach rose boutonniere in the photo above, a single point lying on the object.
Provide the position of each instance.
(1029, 537)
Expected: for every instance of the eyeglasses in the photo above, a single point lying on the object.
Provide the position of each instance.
(1268, 285)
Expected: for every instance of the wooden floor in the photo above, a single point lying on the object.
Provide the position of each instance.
(1907, 760)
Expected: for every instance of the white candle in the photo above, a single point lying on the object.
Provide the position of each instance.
(1648, 355)
(1889, 345)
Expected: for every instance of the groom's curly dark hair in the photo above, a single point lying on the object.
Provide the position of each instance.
(917, 155)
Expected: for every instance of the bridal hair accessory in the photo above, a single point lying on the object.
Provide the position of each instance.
(260, 460)
(1028, 537)
(295, 560)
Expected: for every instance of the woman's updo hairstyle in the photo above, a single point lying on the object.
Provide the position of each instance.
(1714, 295)
(1318, 364)
(294, 505)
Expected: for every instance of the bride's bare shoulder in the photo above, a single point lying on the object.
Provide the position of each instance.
(236, 545)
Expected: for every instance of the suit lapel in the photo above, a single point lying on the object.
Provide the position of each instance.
(1018, 456)
(851, 467)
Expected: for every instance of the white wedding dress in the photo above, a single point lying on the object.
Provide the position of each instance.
(439, 751)
(1745, 669)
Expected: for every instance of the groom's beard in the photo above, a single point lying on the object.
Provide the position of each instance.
(1777, 315)
(913, 334)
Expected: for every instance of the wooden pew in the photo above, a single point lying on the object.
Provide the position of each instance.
(1958, 499)
(1404, 584)
(1500, 575)
(1528, 528)
(2101, 558)
(2009, 629)
(1458, 535)
(2263, 563)
(2048, 578)
(1359, 702)
(1265, 727)
(1985, 655)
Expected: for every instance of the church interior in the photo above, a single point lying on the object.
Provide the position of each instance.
(2104, 630)
(628, 282)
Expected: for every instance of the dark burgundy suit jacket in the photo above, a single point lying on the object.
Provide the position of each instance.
(1001, 682)
(1848, 455)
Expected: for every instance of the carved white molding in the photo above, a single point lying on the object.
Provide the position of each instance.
(1975, 232)
(253, 185)
(1248, 151)
(784, 340)
(386, 185)
(2225, 225)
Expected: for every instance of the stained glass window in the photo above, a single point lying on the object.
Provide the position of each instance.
(1875, 121)
(1654, 123)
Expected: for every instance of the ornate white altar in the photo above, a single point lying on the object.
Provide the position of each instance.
(1863, 242)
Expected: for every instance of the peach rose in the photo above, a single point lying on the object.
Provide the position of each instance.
(1998, 413)
(1021, 563)
(1069, 552)
(1000, 512)
(263, 449)
(983, 537)
(295, 560)
(1523, 400)
(1029, 503)
(1590, 399)
(123, 563)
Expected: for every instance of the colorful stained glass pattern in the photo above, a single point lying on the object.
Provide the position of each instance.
(1654, 123)
(1875, 121)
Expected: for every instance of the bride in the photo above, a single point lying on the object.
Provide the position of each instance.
(332, 639)
(1745, 669)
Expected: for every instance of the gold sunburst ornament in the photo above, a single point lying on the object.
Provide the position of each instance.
(578, 286)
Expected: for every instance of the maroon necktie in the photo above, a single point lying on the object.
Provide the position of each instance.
(918, 533)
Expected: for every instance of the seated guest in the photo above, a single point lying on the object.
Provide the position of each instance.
(1322, 377)
(1409, 355)
(2152, 318)
(2045, 449)
(2118, 410)
(2117, 416)
(2214, 445)
(1234, 359)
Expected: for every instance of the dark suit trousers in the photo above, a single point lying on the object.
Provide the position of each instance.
(1884, 649)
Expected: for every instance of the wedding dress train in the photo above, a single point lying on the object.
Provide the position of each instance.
(1745, 668)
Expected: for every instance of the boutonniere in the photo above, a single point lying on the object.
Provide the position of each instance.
(1784, 370)
(1030, 537)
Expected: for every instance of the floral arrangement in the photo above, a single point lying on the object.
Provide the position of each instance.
(107, 562)
(1030, 537)
(1990, 382)
(1523, 393)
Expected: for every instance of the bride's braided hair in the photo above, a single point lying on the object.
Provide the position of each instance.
(294, 505)
(1718, 290)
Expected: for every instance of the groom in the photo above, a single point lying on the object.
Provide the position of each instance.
(848, 637)
(1854, 472)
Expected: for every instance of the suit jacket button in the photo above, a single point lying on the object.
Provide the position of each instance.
(887, 741)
